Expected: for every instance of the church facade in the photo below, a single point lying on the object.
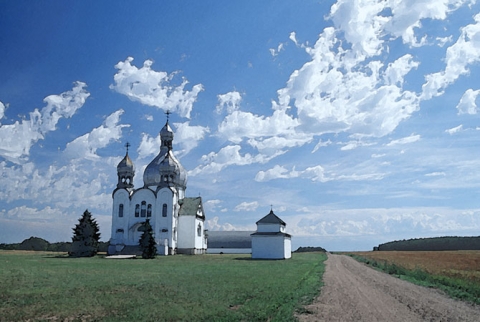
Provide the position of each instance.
(178, 222)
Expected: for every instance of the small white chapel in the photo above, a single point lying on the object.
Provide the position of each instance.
(270, 241)
(178, 222)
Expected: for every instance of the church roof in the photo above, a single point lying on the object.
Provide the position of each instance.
(271, 218)
(126, 163)
(190, 206)
(275, 233)
(229, 239)
(165, 170)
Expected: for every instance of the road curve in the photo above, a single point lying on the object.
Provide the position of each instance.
(355, 292)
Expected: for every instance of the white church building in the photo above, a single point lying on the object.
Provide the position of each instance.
(177, 221)
(270, 241)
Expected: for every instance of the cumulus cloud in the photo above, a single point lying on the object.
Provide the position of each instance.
(86, 146)
(188, 136)
(153, 88)
(467, 104)
(17, 139)
(277, 172)
(464, 52)
(229, 101)
(247, 206)
(227, 156)
(454, 129)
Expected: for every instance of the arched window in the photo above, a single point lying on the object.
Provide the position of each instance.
(137, 210)
(164, 210)
(120, 210)
(149, 210)
(143, 212)
(199, 230)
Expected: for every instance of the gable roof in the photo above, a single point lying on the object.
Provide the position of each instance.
(190, 206)
(271, 218)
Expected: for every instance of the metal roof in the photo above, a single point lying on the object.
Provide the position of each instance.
(190, 206)
(271, 218)
(229, 239)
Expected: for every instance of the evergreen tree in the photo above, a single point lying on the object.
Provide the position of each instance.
(147, 241)
(86, 235)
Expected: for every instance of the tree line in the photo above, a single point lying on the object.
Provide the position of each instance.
(432, 244)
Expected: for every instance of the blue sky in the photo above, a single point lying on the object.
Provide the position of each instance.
(356, 120)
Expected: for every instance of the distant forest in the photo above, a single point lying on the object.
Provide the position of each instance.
(39, 244)
(432, 244)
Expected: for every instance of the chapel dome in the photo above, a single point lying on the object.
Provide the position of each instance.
(125, 171)
(165, 170)
(125, 164)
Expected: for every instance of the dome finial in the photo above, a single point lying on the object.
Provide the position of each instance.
(168, 114)
(127, 145)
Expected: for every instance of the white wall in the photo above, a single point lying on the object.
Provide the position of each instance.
(268, 247)
(269, 228)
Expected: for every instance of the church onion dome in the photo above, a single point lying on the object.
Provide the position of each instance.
(165, 170)
(125, 164)
(125, 172)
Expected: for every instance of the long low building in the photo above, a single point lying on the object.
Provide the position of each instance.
(229, 242)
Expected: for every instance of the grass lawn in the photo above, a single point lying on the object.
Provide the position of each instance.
(47, 286)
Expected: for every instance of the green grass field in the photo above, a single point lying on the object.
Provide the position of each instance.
(39, 286)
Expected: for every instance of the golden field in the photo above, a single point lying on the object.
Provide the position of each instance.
(458, 264)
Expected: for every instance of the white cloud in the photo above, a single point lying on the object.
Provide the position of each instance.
(154, 88)
(2, 111)
(277, 172)
(442, 41)
(148, 146)
(354, 144)
(406, 140)
(454, 129)
(86, 146)
(239, 125)
(17, 139)
(275, 51)
(435, 174)
(467, 104)
(321, 144)
(293, 37)
(247, 206)
(464, 52)
(188, 136)
(227, 156)
(230, 101)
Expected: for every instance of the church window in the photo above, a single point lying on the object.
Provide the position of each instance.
(175, 233)
(164, 230)
(149, 210)
(143, 212)
(120, 230)
(137, 210)
(199, 230)
(164, 210)
(120, 210)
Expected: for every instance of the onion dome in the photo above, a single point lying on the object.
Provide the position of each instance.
(165, 170)
(125, 171)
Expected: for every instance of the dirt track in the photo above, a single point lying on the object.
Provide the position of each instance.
(356, 292)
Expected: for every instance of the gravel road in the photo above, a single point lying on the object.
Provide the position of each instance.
(356, 292)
